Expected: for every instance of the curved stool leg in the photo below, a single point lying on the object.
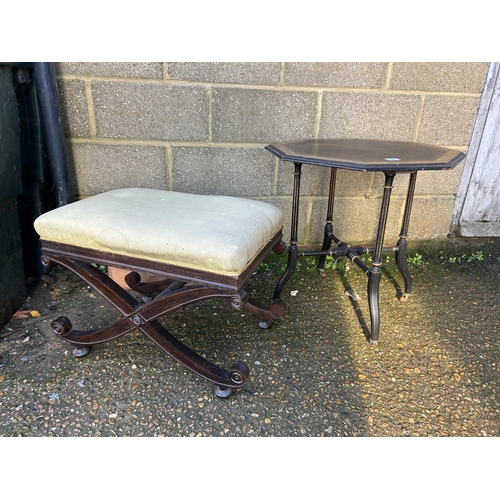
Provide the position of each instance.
(232, 378)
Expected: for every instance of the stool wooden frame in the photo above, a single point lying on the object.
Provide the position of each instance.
(177, 286)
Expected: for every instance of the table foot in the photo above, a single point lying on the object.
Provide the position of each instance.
(402, 264)
(293, 255)
(373, 301)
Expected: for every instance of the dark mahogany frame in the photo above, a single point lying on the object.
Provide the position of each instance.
(177, 286)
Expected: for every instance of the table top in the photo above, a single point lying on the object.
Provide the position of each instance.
(368, 155)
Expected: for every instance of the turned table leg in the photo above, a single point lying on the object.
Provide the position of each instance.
(402, 243)
(328, 231)
(375, 271)
(293, 250)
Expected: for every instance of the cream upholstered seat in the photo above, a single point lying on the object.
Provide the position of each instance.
(218, 234)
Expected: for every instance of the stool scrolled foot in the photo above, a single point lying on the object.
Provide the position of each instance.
(279, 248)
(264, 313)
(238, 372)
(61, 325)
(277, 308)
(276, 311)
(237, 375)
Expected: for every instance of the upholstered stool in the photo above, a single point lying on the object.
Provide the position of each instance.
(199, 246)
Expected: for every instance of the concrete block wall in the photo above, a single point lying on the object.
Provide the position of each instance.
(202, 128)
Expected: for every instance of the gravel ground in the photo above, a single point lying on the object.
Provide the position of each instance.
(434, 372)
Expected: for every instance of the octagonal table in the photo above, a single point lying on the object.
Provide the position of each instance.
(388, 157)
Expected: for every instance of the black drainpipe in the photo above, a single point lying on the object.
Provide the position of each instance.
(48, 99)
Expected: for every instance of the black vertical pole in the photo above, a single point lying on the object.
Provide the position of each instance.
(48, 99)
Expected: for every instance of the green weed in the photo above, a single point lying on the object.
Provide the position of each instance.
(331, 263)
(101, 268)
(462, 259)
(416, 260)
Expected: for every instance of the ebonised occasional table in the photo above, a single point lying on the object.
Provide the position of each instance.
(388, 157)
